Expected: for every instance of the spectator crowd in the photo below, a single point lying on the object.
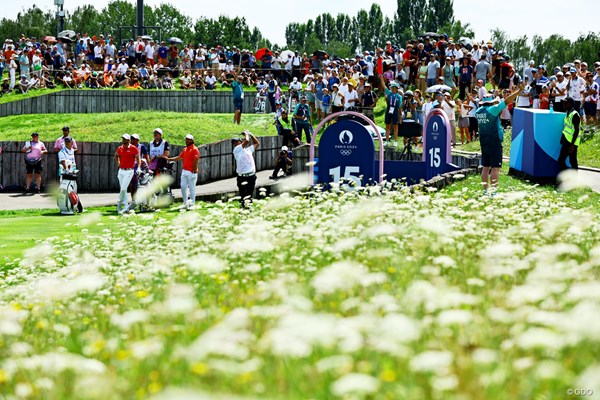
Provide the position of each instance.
(423, 69)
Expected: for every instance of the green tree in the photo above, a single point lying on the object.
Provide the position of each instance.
(32, 22)
(439, 13)
(116, 14)
(84, 19)
(173, 22)
(416, 14)
(457, 30)
(376, 24)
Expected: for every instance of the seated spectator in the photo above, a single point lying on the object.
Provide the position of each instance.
(185, 81)
(92, 81)
(23, 85)
(5, 88)
(152, 82)
(198, 81)
(285, 128)
(210, 80)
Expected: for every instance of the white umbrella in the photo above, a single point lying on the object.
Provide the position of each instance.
(284, 54)
(438, 88)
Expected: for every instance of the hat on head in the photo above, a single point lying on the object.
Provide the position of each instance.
(159, 131)
(284, 148)
(350, 84)
(135, 136)
(189, 136)
(367, 85)
(394, 85)
(126, 136)
(234, 140)
(68, 139)
(303, 98)
(35, 134)
(66, 128)
(487, 100)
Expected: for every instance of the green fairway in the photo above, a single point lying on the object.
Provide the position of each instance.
(207, 128)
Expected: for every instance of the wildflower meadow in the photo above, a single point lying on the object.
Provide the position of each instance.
(372, 294)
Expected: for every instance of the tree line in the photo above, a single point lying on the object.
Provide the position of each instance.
(118, 13)
(342, 35)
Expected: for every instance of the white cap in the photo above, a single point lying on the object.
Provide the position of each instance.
(158, 130)
(284, 148)
(135, 136)
(189, 136)
(126, 136)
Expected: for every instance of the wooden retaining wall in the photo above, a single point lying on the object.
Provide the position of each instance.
(109, 101)
(98, 170)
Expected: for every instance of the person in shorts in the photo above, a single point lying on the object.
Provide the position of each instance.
(491, 136)
(325, 103)
(34, 149)
(238, 97)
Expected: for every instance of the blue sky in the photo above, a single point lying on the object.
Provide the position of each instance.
(514, 16)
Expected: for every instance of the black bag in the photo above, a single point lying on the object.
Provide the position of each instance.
(32, 161)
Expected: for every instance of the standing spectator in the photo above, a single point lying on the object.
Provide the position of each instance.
(34, 150)
(448, 75)
(125, 157)
(570, 138)
(559, 91)
(433, 70)
(528, 71)
(368, 102)
(449, 108)
(302, 118)
(243, 152)
(163, 54)
(524, 99)
(463, 121)
(12, 71)
(491, 136)
(60, 142)
(24, 64)
(189, 173)
(351, 98)
(296, 65)
(238, 97)
(591, 100)
(326, 104)
(464, 77)
(483, 70)
(576, 87)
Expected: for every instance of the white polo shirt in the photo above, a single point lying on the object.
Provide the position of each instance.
(244, 159)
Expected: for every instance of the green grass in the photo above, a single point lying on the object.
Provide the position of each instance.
(14, 96)
(588, 153)
(207, 128)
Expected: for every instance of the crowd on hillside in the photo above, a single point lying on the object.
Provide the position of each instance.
(460, 67)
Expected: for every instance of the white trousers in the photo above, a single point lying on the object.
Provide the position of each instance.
(124, 177)
(11, 73)
(188, 181)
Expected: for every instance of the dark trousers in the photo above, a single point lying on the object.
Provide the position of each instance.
(281, 166)
(246, 186)
(300, 126)
(564, 153)
(462, 89)
(271, 97)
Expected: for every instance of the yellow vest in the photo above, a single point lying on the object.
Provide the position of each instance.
(569, 129)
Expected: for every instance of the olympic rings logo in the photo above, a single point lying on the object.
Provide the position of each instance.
(345, 152)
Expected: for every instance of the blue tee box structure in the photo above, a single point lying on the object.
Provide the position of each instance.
(535, 144)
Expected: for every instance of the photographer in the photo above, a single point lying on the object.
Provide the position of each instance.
(283, 162)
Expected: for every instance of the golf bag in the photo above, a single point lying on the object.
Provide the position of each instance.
(159, 198)
(68, 201)
(260, 103)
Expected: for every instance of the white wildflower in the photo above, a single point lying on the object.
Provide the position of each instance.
(128, 318)
(432, 361)
(355, 384)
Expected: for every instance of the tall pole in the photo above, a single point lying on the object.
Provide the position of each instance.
(140, 17)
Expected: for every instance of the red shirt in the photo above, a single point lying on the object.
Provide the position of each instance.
(189, 155)
(127, 156)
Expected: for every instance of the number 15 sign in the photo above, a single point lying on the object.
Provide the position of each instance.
(346, 151)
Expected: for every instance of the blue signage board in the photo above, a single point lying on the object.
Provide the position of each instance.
(436, 144)
(346, 151)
